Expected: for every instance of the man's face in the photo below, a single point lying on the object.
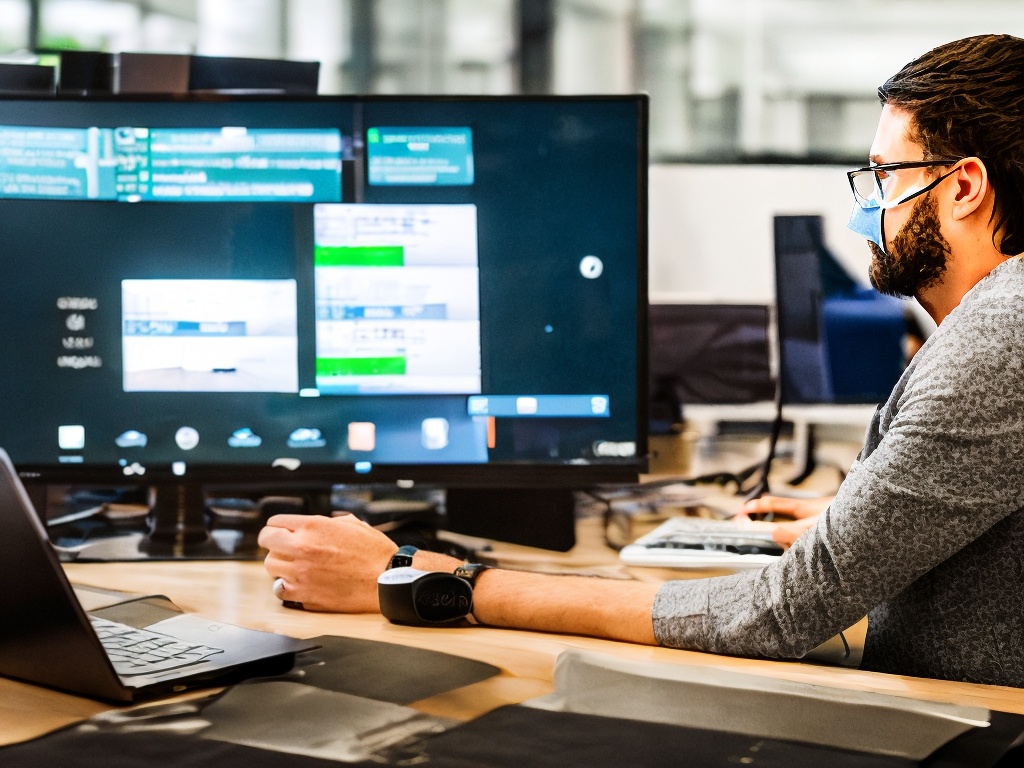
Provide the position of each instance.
(917, 250)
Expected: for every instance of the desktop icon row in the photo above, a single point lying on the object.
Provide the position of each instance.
(361, 436)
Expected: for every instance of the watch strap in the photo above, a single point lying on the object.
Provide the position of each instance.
(403, 557)
(470, 572)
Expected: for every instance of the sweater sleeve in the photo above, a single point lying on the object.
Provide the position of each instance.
(944, 466)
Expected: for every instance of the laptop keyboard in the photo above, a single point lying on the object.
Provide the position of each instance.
(142, 652)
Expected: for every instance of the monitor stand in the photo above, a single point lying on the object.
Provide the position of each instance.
(180, 523)
(179, 529)
(534, 517)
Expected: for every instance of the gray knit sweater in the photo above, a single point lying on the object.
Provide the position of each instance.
(926, 534)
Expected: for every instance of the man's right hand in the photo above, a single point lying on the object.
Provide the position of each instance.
(328, 564)
(791, 516)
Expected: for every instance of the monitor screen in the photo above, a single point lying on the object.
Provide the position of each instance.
(333, 289)
(839, 342)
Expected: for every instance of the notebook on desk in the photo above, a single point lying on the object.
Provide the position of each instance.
(699, 542)
(48, 638)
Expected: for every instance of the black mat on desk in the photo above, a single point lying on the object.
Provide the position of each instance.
(514, 736)
(104, 749)
(511, 736)
(398, 674)
(991, 747)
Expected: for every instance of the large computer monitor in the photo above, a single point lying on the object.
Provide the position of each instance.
(327, 290)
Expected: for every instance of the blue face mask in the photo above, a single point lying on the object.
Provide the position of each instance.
(867, 222)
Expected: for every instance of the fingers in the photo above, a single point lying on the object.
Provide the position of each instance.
(288, 579)
(326, 563)
(288, 522)
(282, 590)
(773, 504)
(278, 564)
(280, 531)
(785, 534)
(275, 539)
(779, 505)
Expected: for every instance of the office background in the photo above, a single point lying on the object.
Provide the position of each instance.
(757, 106)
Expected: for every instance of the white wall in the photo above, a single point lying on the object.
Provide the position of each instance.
(710, 228)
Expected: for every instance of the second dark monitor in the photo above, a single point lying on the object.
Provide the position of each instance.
(707, 354)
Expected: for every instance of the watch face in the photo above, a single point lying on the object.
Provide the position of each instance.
(442, 599)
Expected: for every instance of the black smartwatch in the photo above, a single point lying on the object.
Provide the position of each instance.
(423, 598)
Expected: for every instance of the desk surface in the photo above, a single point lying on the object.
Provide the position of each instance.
(239, 593)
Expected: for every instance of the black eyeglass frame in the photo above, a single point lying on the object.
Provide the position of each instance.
(874, 169)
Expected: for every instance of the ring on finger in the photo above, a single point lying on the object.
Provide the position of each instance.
(278, 588)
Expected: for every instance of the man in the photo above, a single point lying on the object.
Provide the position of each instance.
(927, 531)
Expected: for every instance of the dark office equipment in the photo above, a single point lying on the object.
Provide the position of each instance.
(293, 293)
(151, 73)
(27, 79)
(87, 72)
(706, 354)
(98, 73)
(838, 342)
(235, 74)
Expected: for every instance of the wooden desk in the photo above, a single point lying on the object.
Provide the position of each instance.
(239, 592)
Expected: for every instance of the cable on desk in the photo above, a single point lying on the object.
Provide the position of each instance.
(641, 496)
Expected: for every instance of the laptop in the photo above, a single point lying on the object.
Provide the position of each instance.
(47, 637)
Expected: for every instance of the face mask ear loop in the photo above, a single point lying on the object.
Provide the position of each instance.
(881, 233)
(918, 193)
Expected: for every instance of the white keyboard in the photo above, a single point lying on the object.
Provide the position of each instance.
(698, 542)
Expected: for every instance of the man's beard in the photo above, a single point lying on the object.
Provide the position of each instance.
(917, 257)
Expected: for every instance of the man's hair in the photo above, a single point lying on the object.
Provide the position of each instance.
(966, 99)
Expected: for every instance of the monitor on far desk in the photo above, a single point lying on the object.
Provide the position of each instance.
(839, 342)
(706, 361)
(706, 354)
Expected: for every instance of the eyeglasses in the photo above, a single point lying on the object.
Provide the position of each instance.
(875, 186)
